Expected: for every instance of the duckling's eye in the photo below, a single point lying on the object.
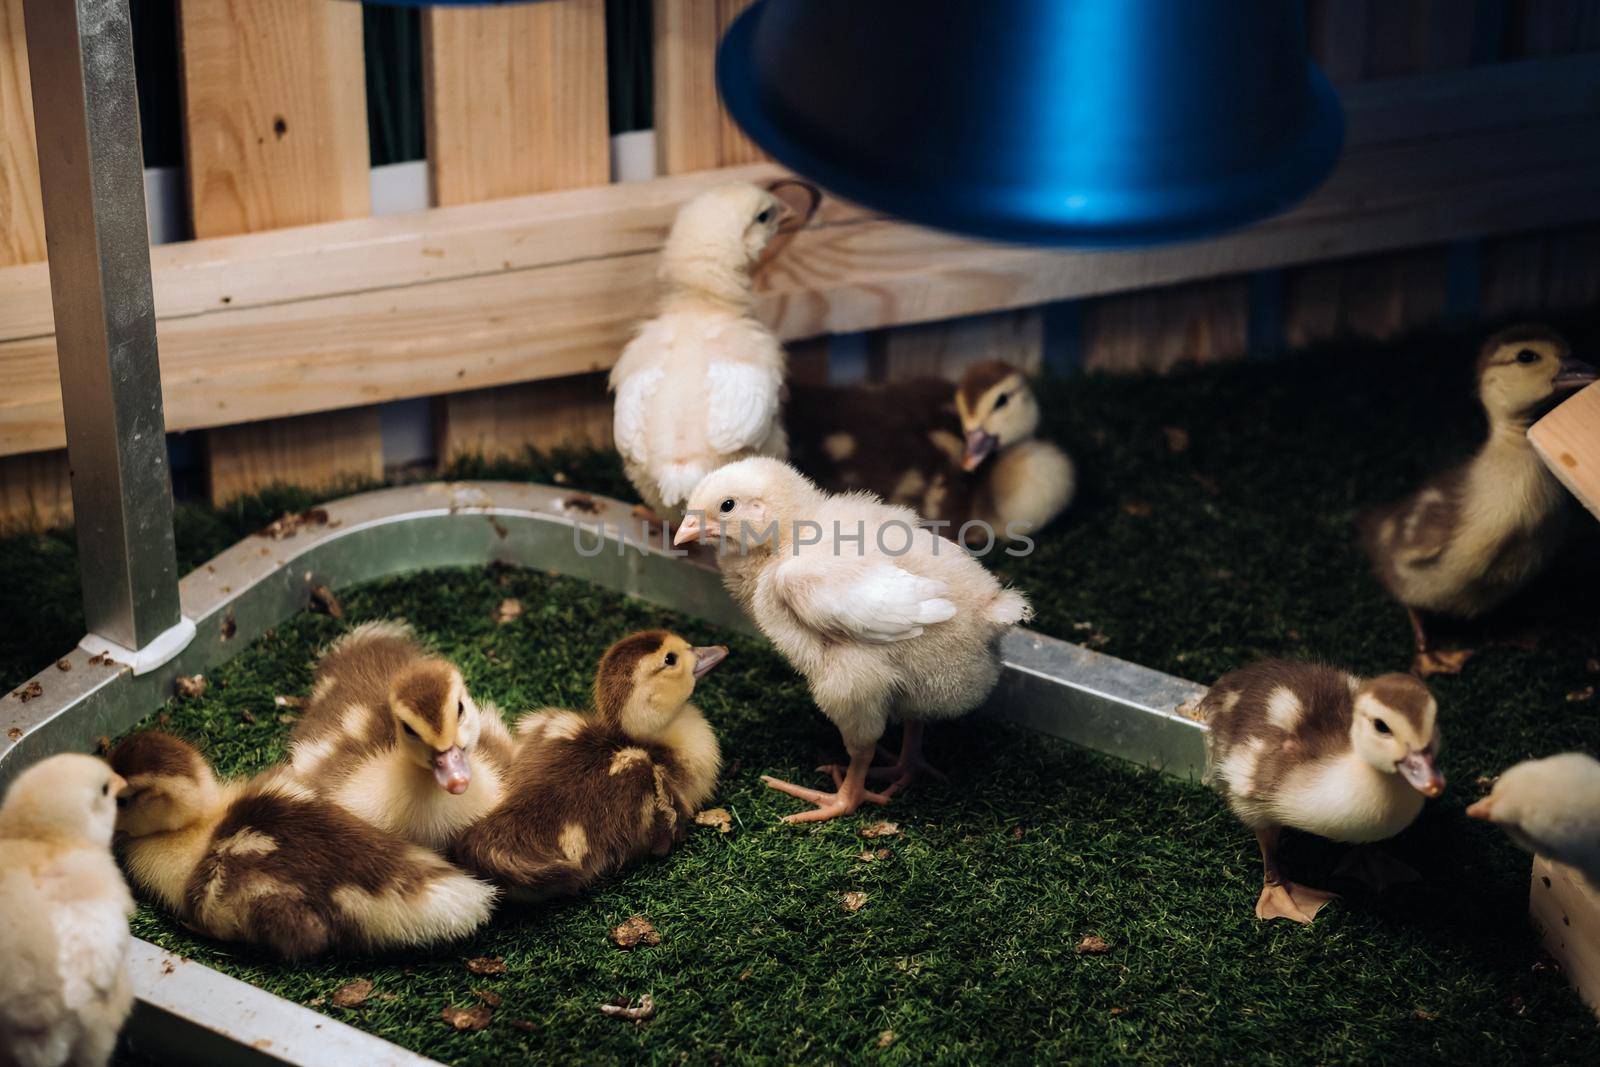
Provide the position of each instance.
(765, 216)
(123, 800)
(1527, 355)
(407, 728)
(461, 708)
(1382, 727)
(1002, 400)
(672, 659)
(727, 505)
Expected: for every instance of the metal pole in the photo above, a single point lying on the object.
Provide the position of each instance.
(91, 168)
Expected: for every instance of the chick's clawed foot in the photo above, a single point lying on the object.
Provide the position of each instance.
(1288, 900)
(829, 805)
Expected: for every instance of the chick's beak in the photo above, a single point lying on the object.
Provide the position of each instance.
(118, 783)
(708, 656)
(691, 529)
(451, 771)
(979, 444)
(1482, 809)
(1574, 374)
(1418, 769)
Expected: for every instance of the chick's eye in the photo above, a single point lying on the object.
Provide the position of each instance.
(1527, 355)
(672, 659)
(727, 505)
(1382, 727)
(765, 216)
(1002, 400)
(105, 789)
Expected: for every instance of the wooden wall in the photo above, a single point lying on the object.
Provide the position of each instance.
(275, 133)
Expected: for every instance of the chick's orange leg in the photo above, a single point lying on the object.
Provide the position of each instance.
(1281, 898)
(910, 766)
(852, 790)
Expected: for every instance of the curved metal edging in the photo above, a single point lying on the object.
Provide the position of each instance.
(1048, 685)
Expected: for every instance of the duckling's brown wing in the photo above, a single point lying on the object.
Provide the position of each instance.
(1415, 531)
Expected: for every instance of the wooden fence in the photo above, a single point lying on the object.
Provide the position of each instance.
(293, 313)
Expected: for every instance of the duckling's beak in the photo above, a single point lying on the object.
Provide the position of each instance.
(690, 530)
(451, 771)
(708, 656)
(1481, 809)
(1419, 770)
(979, 444)
(1574, 374)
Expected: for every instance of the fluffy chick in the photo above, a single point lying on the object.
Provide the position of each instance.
(393, 736)
(1024, 482)
(882, 617)
(1318, 749)
(1476, 533)
(591, 795)
(701, 384)
(264, 861)
(1550, 807)
(64, 988)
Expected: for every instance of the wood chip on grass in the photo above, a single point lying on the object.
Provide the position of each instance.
(633, 932)
(486, 966)
(881, 829)
(1092, 945)
(508, 610)
(351, 994)
(853, 901)
(717, 817)
(467, 1019)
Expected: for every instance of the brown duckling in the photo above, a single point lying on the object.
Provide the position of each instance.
(264, 861)
(1315, 748)
(393, 736)
(1025, 482)
(1476, 533)
(589, 795)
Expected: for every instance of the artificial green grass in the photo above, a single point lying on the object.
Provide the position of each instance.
(1191, 561)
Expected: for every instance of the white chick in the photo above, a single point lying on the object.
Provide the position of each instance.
(1552, 807)
(64, 987)
(701, 384)
(882, 617)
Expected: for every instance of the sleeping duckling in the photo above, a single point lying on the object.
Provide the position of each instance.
(1477, 533)
(393, 736)
(590, 795)
(1551, 807)
(266, 862)
(1318, 749)
(1028, 482)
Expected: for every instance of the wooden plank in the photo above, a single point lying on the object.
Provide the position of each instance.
(443, 320)
(946, 349)
(1566, 911)
(1377, 297)
(693, 132)
(1159, 330)
(276, 135)
(35, 491)
(516, 104)
(1568, 440)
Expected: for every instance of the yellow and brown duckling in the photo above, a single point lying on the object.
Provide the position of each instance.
(956, 455)
(265, 862)
(1315, 748)
(592, 794)
(393, 736)
(1476, 533)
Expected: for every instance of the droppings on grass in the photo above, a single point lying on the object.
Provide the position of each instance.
(468, 1020)
(886, 1038)
(881, 829)
(633, 932)
(486, 965)
(488, 996)
(623, 1008)
(190, 686)
(352, 994)
(1424, 1015)
(717, 817)
(1092, 945)
(854, 900)
(507, 610)
(872, 856)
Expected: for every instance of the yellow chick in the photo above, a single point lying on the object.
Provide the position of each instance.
(1315, 748)
(64, 988)
(1477, 533)
(590, 795)
(1550, 807)
(393, 736)
(701, 384)
(1028, 482)
(882, 617)
(265, 862)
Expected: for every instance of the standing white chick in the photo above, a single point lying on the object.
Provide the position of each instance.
(1552, 807)
(64, 989)
(701, 384)
(882, 617)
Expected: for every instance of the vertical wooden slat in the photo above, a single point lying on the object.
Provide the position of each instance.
(693, 132)
(34, 489)
(276, 134)
(1164, 328)
(516, 104)
(946, 349)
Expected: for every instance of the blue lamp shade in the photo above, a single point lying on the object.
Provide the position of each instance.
(1091, 123)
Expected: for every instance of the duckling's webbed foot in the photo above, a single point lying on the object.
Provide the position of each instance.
(851, 792)
(1288, 900)
(1429, 660)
